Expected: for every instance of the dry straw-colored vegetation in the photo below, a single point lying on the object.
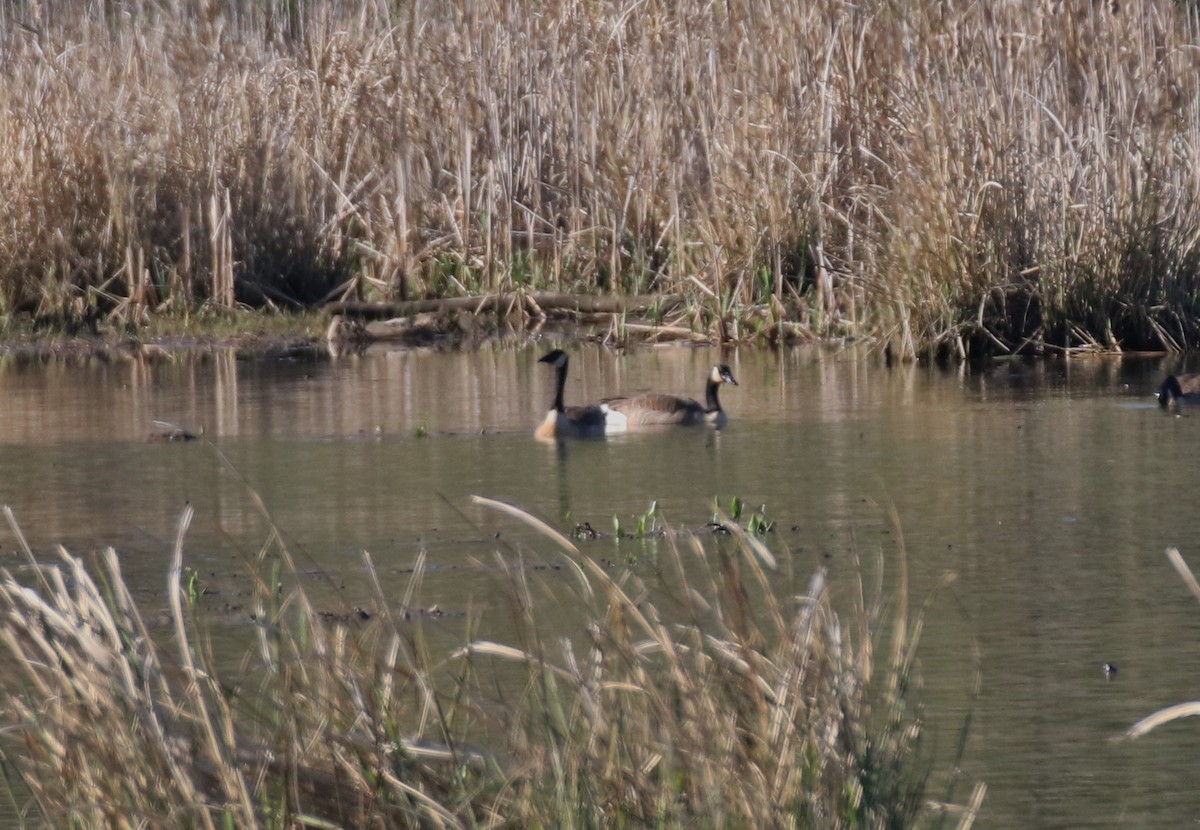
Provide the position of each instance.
(955, 176)
(1189, 709)
(723, 703)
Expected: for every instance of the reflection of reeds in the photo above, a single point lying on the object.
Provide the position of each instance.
(742, 707)
(955, 174)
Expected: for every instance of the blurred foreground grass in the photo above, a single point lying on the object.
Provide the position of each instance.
(740, 707)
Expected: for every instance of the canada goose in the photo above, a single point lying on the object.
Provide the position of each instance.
(654, 409)
(1183, 389)
(572, 421)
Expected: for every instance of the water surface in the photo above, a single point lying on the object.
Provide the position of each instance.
(1049, 489)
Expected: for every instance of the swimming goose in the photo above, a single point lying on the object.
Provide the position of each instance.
(571, 421)
(1180, 389)
(654, 409)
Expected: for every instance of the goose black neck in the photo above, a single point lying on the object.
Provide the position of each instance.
(560, 384)
(710, 396)
(1169, 389)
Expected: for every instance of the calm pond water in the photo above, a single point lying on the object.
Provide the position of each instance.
(1049, 488)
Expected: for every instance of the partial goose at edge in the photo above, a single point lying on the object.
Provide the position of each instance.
(1179, 389)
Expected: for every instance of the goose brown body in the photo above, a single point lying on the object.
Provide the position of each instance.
(1180, 389)
(656, 409)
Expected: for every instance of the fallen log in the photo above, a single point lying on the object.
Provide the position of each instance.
(534, 301)
(653, 332)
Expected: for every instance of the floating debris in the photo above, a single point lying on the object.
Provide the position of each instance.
(165, 433)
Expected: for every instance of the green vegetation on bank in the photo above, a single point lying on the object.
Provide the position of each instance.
(956, 177)
(722, 703)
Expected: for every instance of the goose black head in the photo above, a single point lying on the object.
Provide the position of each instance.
(557, 357)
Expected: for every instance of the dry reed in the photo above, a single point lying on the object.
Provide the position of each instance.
(724, 703)
(1190, 709)
(955, 176)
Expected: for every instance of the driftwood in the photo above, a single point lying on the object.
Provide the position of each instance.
(537, 303)
(667, 332)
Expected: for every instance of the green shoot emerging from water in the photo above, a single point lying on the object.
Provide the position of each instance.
(756, 523)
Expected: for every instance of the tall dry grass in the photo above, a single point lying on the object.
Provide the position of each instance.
(957, 176)
(1188, 709)
(724, 703)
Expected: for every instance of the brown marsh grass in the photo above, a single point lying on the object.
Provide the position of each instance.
(741, 707)
(953, 176)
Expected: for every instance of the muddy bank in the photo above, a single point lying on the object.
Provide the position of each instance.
(354, 327)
